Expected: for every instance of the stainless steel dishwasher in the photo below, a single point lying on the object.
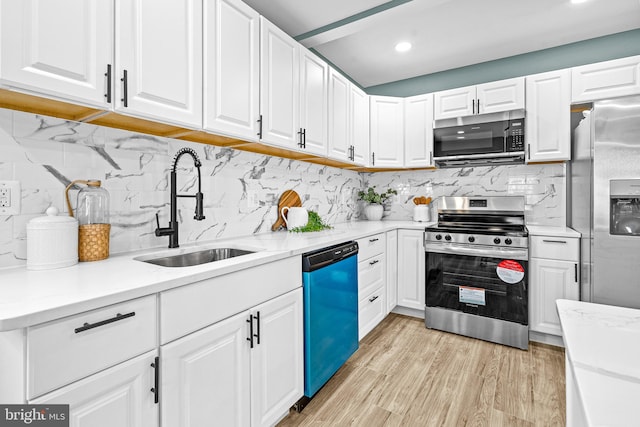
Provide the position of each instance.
(330, 289)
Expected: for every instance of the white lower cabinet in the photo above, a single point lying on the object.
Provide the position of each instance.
(411, 269)
(553, 274)
(245, 370)
(392, 270)
(371, 283)
(122, 396)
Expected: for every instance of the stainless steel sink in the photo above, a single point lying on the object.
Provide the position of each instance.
(195, 258)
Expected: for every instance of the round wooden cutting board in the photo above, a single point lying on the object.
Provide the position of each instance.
(290, 199)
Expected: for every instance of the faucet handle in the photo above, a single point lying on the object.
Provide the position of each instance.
(157, 220)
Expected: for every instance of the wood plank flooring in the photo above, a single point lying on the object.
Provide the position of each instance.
(406, 375)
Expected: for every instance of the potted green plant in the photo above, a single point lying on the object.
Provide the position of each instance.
(374, 209)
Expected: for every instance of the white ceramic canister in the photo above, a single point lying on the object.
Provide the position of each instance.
(52, 241)
(421, 213)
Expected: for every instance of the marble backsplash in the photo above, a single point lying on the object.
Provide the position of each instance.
(241, 189)
(542, 185)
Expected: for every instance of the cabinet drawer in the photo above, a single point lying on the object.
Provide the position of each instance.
(559, 248)
(370, 246)
(370, 275)
(370, 311)
(71, 348)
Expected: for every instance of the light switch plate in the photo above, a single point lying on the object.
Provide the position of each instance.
(10, 197)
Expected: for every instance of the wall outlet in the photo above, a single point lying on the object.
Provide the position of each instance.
(10, 197)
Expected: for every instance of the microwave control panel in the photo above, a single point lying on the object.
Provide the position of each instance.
(515, 136)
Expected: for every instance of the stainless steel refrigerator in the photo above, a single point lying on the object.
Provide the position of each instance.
(604, 182)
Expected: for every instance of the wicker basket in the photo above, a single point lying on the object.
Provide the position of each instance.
(93, 242)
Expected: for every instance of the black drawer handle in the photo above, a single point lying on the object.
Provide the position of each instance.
(251, 334)
(156, 380)
(374, 262)
(125, 89)
(88, 326)
(555, 241)
(373, 298)
(373, 240)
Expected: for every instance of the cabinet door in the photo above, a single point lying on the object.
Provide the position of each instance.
(392, 270)
(371, 311)
(277, 373)
(607, 79)
(387, 132)
(411, 269)
(550, 280)
(61, 48)
(359, 120)
(339, 117)
(418, 131)
(548, 127)
(119, 396)
(454, 103)
(503, 95)
(206, 376)
(314, 77)
(159, 50)
(279, 86)
(231, 68)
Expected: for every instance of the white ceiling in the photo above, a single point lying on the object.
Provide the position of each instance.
(445, 34)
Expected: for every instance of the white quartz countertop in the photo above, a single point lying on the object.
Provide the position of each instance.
(30, 297)
(602, 344)
(547, 230)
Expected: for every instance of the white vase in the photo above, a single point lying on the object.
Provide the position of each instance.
(373, 212)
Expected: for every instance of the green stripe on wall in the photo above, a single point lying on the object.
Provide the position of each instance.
(599, 49)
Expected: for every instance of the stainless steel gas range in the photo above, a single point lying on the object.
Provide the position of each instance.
(476, 269)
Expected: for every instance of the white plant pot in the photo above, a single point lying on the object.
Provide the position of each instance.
(373, 212)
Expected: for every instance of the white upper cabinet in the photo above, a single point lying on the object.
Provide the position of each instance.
(493, 97)
(359, 119)
(548, 125)
(348, 120)
(231, 69)
(418, 131)
(457, 102)
(387, 132)
(159, 60)
(59, 48)
(607, 79)
(314, 75)
(279, 86)
(339, 117)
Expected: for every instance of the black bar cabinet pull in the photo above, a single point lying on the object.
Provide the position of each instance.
(88, 326)
(373, 299)
(108, 76)
(304, 138)
(125, 95)
(257, 317)
(528, 151)
(250, 321)
(300, 143)
(260, 127)
(478, 107)
(373, 240)
(575, 269)
(374, 262)
(473, 106)
(373, 159)
(156, 380)
(554, 241)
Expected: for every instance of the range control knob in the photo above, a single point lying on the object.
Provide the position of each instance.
(508, 241)
(438, 237)
(447, 238)
(496, 241)
(471, 239)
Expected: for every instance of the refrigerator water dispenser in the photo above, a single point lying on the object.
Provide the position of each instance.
(624, 199)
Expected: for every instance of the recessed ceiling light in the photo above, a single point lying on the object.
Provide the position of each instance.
(403, 46)
(578, 1)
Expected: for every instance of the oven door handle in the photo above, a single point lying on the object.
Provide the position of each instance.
(520, 254)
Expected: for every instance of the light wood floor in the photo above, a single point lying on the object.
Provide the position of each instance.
(406, 375)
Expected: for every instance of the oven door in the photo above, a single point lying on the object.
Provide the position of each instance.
(490, 284)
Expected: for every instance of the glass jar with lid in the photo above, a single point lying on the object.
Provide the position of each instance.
(92, 213)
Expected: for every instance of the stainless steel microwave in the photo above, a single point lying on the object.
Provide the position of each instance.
(481, 143)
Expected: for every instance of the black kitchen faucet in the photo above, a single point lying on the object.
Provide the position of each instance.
(172, 230)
